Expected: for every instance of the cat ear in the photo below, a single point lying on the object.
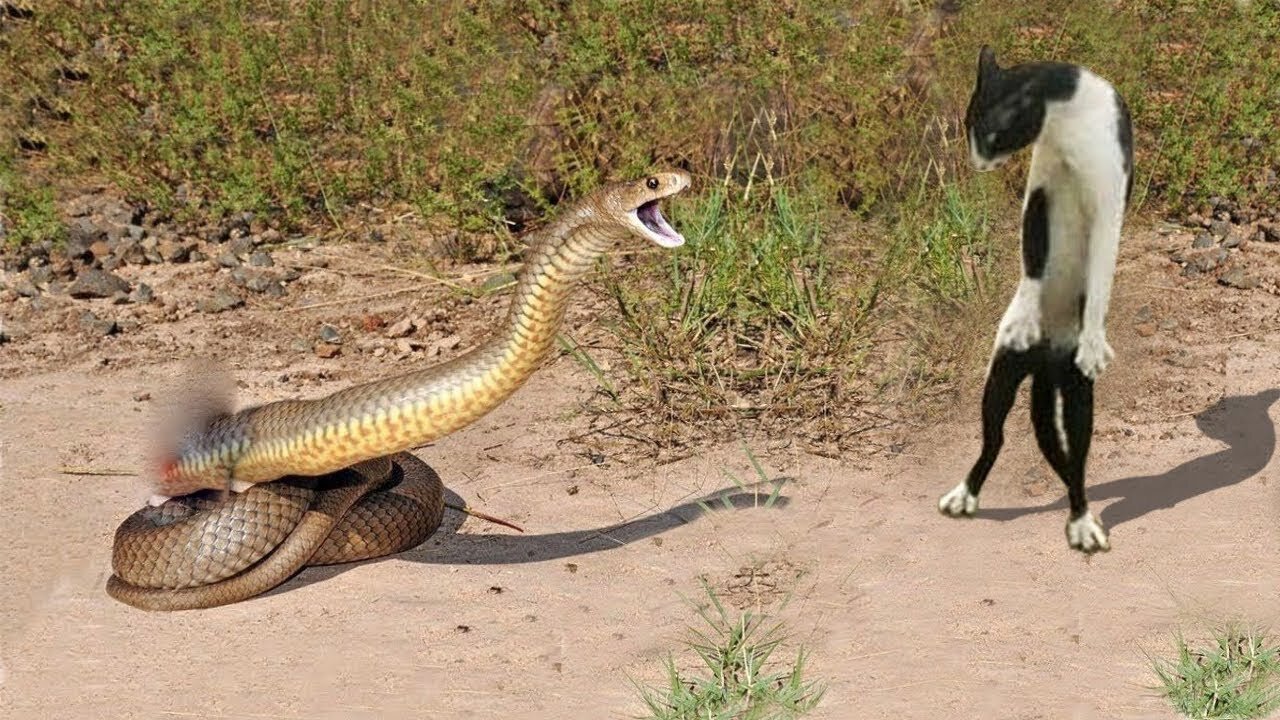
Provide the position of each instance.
(987, 62)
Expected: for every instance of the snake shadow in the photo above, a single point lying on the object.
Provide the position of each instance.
(450, 547)
(1242, 422)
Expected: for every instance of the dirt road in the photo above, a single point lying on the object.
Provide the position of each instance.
(908, 614)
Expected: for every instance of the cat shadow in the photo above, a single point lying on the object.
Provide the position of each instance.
(448, 546)
(1242, 422)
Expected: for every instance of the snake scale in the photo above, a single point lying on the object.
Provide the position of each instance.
(329, 480)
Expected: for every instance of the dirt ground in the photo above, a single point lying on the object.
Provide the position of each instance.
(908, 614)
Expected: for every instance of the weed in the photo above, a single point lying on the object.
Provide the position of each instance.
(1235, 677)
(739, 678)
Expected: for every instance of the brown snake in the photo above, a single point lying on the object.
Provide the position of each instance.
(328, 480)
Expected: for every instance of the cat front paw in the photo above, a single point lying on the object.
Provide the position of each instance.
(1093, 354)
(1019, 331)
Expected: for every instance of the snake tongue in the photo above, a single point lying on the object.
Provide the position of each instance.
(660, 231)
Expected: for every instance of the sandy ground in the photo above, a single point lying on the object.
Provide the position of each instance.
(908, 614)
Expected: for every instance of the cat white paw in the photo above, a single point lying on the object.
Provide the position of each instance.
(1087, 535)
(1093, 354)
(958, 502)
(1018, 331)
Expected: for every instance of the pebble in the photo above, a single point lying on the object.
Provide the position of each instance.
(1203, 240)
(24, 287)
(1269, 231)
(372, 323)
(1238, 278)
(1219, 228)
(94, 283)
(261, 259)
(142, 294)
(255, 280)
(330, 334)
(97, 325)
(174, 251)
(141, 396)
(327, 350)
(401, 328)
(228, 260)
(1233, 239)
(221, 300)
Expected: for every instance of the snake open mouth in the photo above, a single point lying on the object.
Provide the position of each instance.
(659, 230)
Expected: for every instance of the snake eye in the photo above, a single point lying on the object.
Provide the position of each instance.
(652, 183)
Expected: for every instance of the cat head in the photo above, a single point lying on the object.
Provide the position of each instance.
(1007, 109)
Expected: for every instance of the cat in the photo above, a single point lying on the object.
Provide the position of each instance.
(1078, 188)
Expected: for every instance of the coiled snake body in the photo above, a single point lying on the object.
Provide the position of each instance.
(328, 480)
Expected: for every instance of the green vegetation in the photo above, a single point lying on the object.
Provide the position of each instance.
(737, 678)
(1235, 677)
(827, 142)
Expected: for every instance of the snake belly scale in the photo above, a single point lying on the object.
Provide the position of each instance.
(330, 480)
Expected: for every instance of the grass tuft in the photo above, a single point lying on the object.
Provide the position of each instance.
(737, 676)
(1236, 676)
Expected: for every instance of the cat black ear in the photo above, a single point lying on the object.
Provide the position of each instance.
(987, 61)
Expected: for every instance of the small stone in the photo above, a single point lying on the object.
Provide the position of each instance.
(327, 351)
(97, 325)
(221, 301)
(1143, 314)
(93, 283)
(120, 298)
(401, 328)
(1233, 239)
(1195, 220)
(261, 259)
(1203, 240)
(228, 260)
(372, 323)
(446, 345)
(254, 280)
(142, 294)
(1146, 329)
(1220, 228)
(240, 246)
(100, 249)
(41, 276)
(24, 287)
(174, 251)
(141, 396)
(1269, 231)
(198, 256)
(136, 232)
(1238, 278)
(131, 252)
(330, 334)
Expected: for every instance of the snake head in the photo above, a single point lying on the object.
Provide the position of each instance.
(635, 204)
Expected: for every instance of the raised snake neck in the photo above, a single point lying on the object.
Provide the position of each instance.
(314, 437)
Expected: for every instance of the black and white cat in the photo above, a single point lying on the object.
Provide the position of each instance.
(1078, 189)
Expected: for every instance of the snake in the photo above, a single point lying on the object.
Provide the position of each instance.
(246, 499)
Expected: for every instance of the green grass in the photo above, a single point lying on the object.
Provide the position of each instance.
(737, 675)
(1235, 676)
(28, 215)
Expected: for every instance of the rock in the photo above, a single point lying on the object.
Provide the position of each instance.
(221, 301)
(1195, 220)
(97, 325)
(1143, 314)
(198, 256)
(261, 259)
(228, 260)
(24, 287)
(330, 334)
(1219, 228)
(173, 251)
(327, 351)
(136, 232)
(255, 280)
(240, 246)
(372, 323)
(41, 276)
(94, 283)
(120, 298)
(446, 345)
(402, 328)
(1237, 278)
(1146, 329)
(141, 294)
(1233, 239)
(1203, 240)
(101, 249)
(141, 396)
(131, 252)
(1269, 231)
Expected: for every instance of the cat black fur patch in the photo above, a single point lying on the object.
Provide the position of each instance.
(1035, 234)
